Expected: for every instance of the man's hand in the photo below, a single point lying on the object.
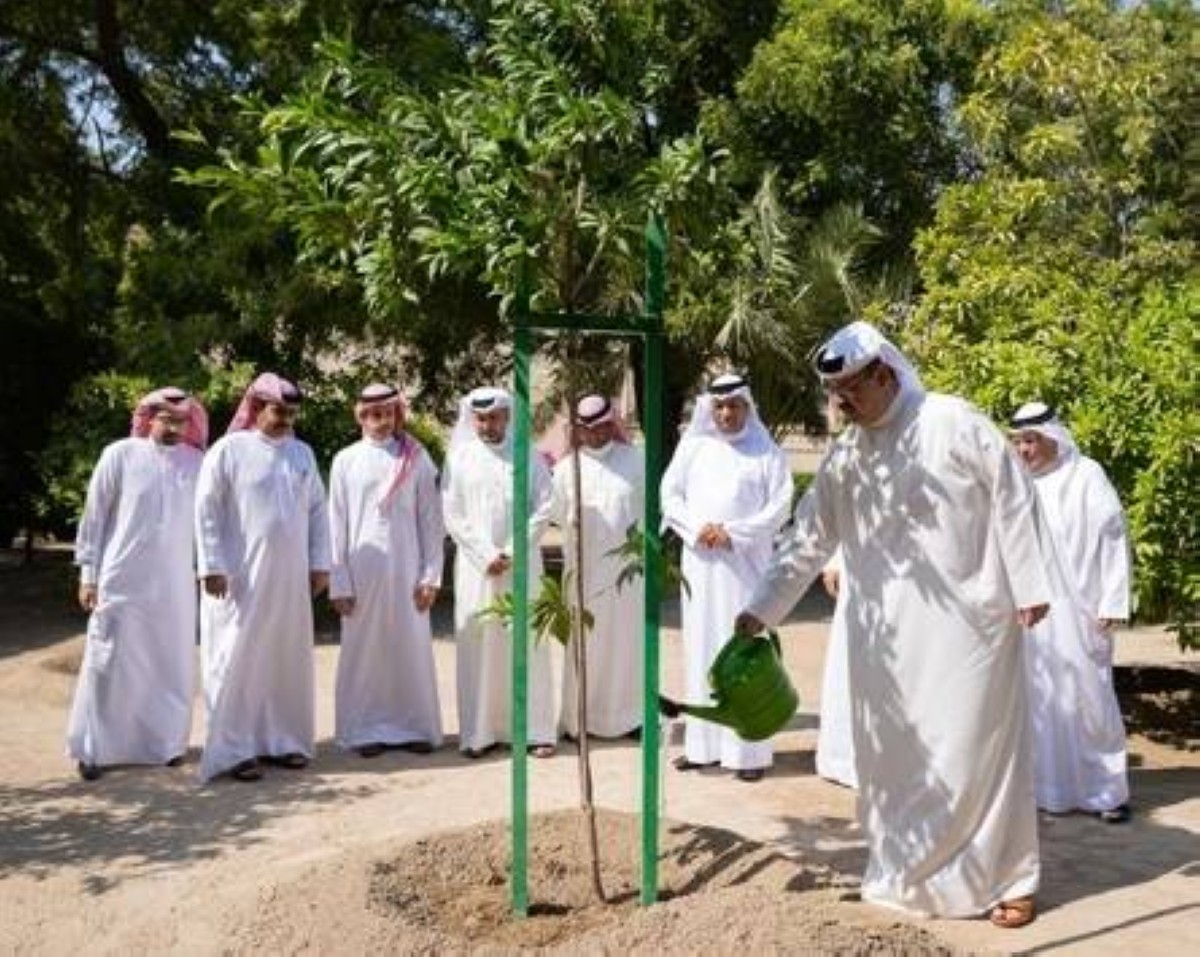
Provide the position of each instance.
(89, 597)
(1108, 624)
(424, 596)
(713, 535)
(318, 582)
(831, 578)
(343, 606)
(1028, 617)
(748, 625)
(217, 586)
(498, 565)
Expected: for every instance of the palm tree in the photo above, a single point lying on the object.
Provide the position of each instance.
(793, 287)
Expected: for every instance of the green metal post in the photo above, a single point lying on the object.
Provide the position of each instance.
(650, 327)
(520, 623)
(652, 427)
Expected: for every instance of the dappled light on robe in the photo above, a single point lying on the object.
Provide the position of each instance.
(942, 542)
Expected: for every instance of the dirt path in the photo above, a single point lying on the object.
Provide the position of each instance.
(148, 861)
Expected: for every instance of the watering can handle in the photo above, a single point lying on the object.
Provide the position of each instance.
(772, 636)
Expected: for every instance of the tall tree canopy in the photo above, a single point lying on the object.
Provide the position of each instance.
(1065, 270)
(338, 187)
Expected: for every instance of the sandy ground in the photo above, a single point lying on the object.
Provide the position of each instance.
(147, 860)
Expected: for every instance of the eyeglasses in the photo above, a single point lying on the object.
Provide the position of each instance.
(170, 421)
(851, 385)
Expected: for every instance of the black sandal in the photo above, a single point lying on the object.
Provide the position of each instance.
(682, 763)
(413, 747)
(248, 770)
(1116, 815)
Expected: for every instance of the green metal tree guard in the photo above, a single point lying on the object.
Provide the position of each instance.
(649, 327)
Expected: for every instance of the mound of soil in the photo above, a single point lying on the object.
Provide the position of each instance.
(449, 894)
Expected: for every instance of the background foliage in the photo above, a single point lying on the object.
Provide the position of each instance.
(347, 190)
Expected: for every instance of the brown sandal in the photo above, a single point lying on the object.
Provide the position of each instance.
(1013, 913)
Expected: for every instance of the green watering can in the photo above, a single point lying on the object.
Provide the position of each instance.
(753, 694)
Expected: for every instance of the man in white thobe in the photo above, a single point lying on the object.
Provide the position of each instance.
(945, 560)
(612, 490)
(134, 549)
(1079, 736)
(477, 496)
(726, 493)
(386, 533)
(263, 542)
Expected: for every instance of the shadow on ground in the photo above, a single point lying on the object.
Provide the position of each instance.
(148, 819)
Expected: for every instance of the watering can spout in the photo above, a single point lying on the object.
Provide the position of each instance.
(715, 713)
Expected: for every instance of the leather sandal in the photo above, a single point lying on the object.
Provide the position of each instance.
(1116, 815)
(413, 747)
(293, 760)
(750, 774)
(372, 750)
(542, 750)
(248, 770)
(682, 763)
(1013, 913)
(476, 753)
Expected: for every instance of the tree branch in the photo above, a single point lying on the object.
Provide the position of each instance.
(127, 85)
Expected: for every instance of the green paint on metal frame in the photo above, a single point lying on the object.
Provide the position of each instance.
(649, 327)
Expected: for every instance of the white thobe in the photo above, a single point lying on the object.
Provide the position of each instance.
(835, 743)
(133, 700)
(942, 542)
(1079, 735)
(477, 497)
(386, 682)
(745, 486)
(261, 522)
(613, 490)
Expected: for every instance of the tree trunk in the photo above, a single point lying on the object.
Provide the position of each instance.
(578, 649)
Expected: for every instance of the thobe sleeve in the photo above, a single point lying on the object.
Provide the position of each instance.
(1017, 522)
(212, 501)
(104, 489)
(675, 512)
(318, 520)
(554, 507)
(431, 531)
(341, 581)
(540, 483)
(799, 559)
(478, 550)
(750, 530)
(638, 479)
(1112, 553)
